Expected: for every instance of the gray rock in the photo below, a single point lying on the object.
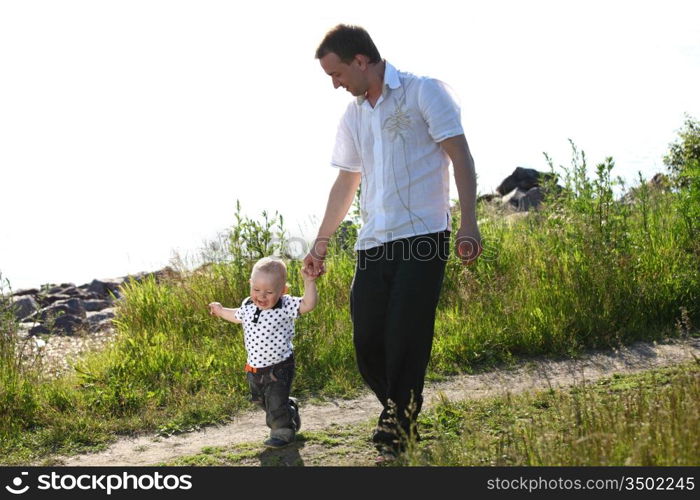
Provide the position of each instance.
(103, 288)
(97, 305)
(62, 288)
(24, 306)
(523, 179)
(96, 317)
(39, 330)
(513, 198)
(522, 201)
(74, 307)
(101, 321)
(97, 287)
(51, 299)
(71, 307)
(488, 197)
(68, 324)
(104, 325)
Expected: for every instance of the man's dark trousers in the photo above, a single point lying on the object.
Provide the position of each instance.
(393, 299)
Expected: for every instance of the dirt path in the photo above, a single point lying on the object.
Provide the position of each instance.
(533, 374)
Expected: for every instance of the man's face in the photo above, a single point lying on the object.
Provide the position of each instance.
(349, 76)
(266, 289)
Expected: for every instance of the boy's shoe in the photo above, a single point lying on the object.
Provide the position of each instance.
(276, 443)
(386, 457)
(297, 418)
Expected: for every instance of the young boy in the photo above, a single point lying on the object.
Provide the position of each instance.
(268, 325)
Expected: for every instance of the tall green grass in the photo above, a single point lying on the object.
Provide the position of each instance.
(650, 419)
(18, 399)
(587, 270)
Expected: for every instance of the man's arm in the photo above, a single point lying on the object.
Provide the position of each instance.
(468, 242)
(339, 201)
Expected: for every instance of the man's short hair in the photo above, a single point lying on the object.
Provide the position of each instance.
(346, 42)
(272, 266)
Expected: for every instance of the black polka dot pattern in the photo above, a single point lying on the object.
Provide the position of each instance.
(268, 333)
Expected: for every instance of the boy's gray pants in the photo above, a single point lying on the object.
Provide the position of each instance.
(270, 389)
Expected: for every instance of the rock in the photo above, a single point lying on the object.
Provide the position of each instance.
(98, 287)
(96, 317)
(51, 299)
(68, 324)
(659, 183)
(62, 288)
(522, 201)
(101, 321)
(488, 197)
(165, 274)
(24, 306)
(106, 289)
(96, 305)
(104, 325)
(71, 307)
(39, 330)
(27, 291)
(523, 179)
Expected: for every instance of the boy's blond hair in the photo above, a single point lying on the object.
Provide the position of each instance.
(272, 266)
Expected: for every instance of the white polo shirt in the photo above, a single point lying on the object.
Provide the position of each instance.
(405, 177)
(267, 333)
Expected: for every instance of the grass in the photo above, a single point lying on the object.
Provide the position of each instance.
(585, 271)
(650, 419)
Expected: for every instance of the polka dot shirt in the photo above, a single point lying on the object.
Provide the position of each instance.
(268, 333)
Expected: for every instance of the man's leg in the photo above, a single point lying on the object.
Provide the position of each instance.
(369, 296)
(409, 325)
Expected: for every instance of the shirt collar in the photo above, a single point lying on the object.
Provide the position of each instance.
(249, 302)
(391, 80)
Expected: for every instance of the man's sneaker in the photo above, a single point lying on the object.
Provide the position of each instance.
(276, 443)
(297, 418)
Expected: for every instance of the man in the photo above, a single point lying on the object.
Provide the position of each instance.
(397, 139)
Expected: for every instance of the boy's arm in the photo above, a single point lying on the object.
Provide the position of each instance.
(310, 298)
(229, 314)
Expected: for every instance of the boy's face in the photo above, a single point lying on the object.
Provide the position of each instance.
(266, 289)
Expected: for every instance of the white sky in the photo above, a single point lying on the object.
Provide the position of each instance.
(128, 129)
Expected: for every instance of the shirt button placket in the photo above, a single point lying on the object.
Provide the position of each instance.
(378, 152)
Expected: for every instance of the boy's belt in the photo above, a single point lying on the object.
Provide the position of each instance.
(268, 369)
(252, 369)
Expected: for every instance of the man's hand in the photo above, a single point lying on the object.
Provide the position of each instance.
(313, 262)
(339, 201)
(468, 244)
(307, 275)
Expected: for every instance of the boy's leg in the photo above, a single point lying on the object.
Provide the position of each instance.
(280, 412)
(257, 393)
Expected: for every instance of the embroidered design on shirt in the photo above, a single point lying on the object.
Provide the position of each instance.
(397, 124)
(398, 121)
